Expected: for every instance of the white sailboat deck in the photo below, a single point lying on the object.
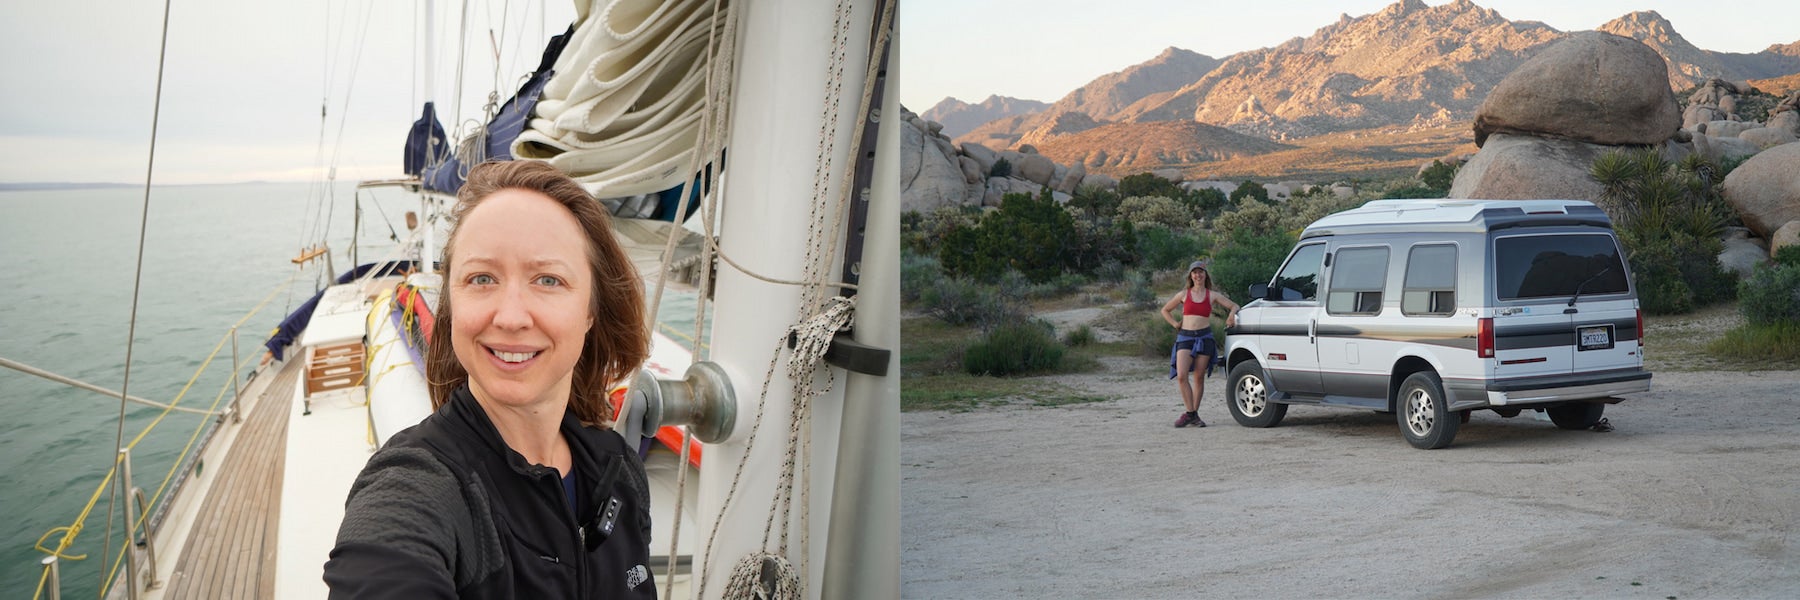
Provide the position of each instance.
(232, 554)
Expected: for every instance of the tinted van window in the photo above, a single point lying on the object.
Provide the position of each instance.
(1357, 278)
(1430, 287)
(1299, 278)
(1547, 266)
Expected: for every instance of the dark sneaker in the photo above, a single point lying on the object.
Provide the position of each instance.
(1184, 421)
(1198, 423)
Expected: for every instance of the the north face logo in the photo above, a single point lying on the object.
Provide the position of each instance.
(635, 576)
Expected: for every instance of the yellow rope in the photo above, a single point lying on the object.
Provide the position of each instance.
(74, 529)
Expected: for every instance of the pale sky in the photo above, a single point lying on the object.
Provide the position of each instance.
(1043, 49)
(242, 85)
(245, 79)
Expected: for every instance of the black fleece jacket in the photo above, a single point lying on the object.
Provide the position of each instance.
(447, 510)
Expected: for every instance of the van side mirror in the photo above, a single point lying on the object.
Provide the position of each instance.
(1259, 291)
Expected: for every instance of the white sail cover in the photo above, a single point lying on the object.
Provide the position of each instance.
(622, 113)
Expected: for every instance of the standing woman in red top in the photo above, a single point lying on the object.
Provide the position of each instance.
(1193, 337)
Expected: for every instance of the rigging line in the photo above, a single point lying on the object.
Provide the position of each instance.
(76, 383)
(718, 65)
(343, 119)
(137, 283)
(462, 47)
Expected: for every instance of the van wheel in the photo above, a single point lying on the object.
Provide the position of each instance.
(1576, 415)
(1247, 393)
(1423, 412)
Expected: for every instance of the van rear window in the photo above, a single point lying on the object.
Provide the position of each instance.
(1548, 266)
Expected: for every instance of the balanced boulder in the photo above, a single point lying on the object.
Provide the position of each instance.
(1591, 87)
(1765, 190)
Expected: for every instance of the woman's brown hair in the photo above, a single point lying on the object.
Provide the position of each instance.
(616, 344)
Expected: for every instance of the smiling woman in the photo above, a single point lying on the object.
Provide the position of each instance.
(514, 487)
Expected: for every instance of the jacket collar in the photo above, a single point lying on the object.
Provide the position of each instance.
(466, 413)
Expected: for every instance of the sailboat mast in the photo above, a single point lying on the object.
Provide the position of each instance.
(428, 208)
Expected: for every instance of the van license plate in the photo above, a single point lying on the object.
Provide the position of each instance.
(1598, 337)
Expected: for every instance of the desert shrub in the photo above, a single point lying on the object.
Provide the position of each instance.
(1154, 335)
(1027, 233)
(918, 272)
(1771, 294)
(1138, 289)
(1438, 177)
(1250, 219)
(1788, 255)
(1163, 248)
(1098, 240)
(1095, 202)
(1156, 211)
(1249, 259)
(1061, 285)
(1002, 168)
(1013, 349)
(960, 301)
(1670, 217)
(1079, 336)
(1757, 343)
(1249, 189)
(922, 232)
(1414, 191)
(1111, 271)
(1148, 184)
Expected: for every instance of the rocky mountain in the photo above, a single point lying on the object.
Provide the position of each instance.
(1689, 66)
(1140, 147)
(959, 117)
(1409, 67)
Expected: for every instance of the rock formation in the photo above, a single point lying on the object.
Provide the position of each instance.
(1547, 121)
(1592, 87)
(936, 173)
(1765, 190)
(960, 117)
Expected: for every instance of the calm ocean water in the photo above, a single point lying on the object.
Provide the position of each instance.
(211, 253)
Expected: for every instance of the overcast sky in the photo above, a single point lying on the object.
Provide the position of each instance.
(242, 85)
(1043, 49)
(245, 79)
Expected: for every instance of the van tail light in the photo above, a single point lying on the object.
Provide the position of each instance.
(1484, 337)
(1640, 320)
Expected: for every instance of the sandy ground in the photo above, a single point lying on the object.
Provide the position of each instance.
(1696, 494)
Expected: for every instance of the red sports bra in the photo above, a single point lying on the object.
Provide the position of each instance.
(1202, 308)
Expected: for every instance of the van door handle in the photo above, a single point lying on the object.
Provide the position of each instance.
(1312, 331)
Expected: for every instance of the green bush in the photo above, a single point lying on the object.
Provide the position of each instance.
(1154, 335)
(1148, 184)
(1030, 234)
(1249, 259)
(1165, 249)
(1014, 349)
(1669, 216)
(918, 272)
(1138, 289)
(1758, 343)
(959, 301)
(1002, 168)
(1438, 177)
(1252, 219)
(1788, 255)
(1079, 336)
(1250, 189)
(1771, 295)
(1144, 212)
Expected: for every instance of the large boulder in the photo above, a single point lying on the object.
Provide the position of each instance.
(1787, 235)
(1720, 149)
(1071, 181)
(971, 170)
(1742, 254)
(1591, 87)
(983, 156)
(1765, 190)
(1728, 128)
(1100, 180)
(1527, 167)
(928, 179)
(1784, 128)
(1035, 168)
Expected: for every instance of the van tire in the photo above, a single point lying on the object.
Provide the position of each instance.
(1247, 394)
(1576, 415)
(1423, 412)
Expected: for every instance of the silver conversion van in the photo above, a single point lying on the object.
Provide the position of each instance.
(1430, 309)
